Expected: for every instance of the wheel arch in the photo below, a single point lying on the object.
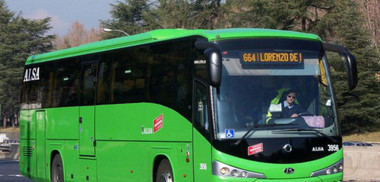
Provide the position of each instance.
(53, 153)
(156, 163)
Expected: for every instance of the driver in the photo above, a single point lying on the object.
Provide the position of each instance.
(289, 107)
(285, 109)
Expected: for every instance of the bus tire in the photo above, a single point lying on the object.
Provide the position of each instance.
(56, 169)
(164, 172)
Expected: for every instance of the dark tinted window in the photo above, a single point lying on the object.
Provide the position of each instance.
(24, 96)
(57, 85)
(103, 93)
(65, 83)
(171, 75)
(159, 73)
(201, 108)
(35, 88)
(123, 76)
(88, 81)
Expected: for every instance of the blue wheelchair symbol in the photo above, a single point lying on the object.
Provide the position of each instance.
(230, 133)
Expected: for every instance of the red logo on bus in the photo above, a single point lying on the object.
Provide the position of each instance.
(157, 123)
(254, 149)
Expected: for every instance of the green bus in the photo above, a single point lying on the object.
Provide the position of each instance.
(184, 105)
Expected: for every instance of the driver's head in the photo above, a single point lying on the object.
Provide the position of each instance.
(290, 97)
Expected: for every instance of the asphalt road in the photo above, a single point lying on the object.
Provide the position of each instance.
(9, 172)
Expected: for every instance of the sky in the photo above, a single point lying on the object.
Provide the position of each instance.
(64, 12)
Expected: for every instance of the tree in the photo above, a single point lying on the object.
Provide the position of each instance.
(360, 109)
(19, 38)
(76, 36)
(141, 16)
(301, 15)
(127, 16)
(370, 9)
(208, 14)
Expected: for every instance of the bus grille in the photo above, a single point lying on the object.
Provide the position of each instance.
(27, 151)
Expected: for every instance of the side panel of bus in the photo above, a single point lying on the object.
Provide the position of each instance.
(41, 144)
(27, 142)
(130, 153)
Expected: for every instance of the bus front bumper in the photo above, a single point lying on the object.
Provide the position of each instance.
(325, 178)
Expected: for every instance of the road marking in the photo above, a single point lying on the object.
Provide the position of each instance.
(1, 175)
(15, 175)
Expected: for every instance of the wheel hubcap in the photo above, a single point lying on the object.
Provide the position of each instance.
(166, 177)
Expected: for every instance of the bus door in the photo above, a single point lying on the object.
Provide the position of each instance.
(201, 132)
(87, 109)
(40, 144)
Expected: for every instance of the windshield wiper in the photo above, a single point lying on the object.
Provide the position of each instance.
(309, 129)
(246, 134)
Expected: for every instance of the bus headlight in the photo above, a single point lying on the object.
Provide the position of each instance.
(335, 168)
(224, 171)
(221, 169)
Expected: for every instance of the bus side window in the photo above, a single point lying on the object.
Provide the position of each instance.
(88, 83)
(103, 92)
(200, 111)
(68, 83)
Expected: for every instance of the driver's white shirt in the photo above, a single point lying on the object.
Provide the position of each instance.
(288, 106)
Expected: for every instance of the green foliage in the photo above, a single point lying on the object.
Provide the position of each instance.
(359, 109)
(141, 16)
(301, 15)
(127, 16)
(19, 38)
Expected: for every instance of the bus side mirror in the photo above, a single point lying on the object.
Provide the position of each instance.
(352, 73)
(349, 60)
(214, 58)
(214, 66)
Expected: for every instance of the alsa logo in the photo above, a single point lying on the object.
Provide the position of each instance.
(318, 149)
(255, 149)
(32, 74)
(158, 123)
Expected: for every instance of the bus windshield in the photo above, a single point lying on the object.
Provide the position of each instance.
(274, 88)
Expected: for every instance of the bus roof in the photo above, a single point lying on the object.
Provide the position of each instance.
(167, 34)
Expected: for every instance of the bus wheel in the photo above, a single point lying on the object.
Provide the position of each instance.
(164, 172)
(56, 170)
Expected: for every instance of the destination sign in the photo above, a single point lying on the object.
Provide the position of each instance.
(272, 57)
